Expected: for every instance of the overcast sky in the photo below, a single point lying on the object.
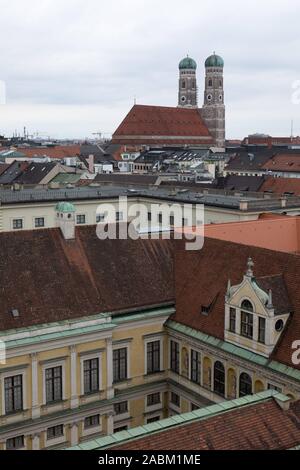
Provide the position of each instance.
(73, 67)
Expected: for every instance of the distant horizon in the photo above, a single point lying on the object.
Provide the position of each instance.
(80, 66)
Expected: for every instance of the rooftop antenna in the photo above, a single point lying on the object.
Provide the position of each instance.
(292, 128)
(134, 99)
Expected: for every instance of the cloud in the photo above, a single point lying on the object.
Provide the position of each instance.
(74, 66)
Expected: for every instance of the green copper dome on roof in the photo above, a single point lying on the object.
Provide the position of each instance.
(214, 60)
(187, 63)
(65, 207)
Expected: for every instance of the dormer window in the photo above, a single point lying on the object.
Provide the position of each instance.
(247, 319)
(256, 311)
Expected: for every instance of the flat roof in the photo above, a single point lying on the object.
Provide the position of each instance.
(219, 199)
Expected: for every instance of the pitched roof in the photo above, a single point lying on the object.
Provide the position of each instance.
(159, 124)
(259, 422)
(35, 173)
(48, 278)
(262, 426)
(251, 161)
(281, 185)
(14, 170)
(202, 274)
(283, 162)
(58, 152)
(240, 183)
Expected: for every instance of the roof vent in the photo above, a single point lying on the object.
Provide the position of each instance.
(15, 313)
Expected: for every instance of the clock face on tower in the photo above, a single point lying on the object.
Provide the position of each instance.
(220, 98)
(183, 99)
(209, 97)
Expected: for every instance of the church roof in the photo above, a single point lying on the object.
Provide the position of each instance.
(214, 60)
(187, 63)
(161, 124)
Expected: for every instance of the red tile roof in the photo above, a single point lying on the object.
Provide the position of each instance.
(58, 152)
(281, 185)
(262, 426)
(159, 124)
(49, 279)
(203, 275)
(283, 162)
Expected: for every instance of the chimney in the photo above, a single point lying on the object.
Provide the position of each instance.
(91, 163)
(65, 219)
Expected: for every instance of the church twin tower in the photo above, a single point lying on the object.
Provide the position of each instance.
(213, 111)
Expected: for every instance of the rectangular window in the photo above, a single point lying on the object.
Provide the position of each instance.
(80, 219)
(153, 357)
(172, 220)
(91, 421)
(13, 390)
(39, 222)
(91, 375)
(247, 324)
(17, 224)
(121, 408)
(120, 429)
(195, 366)
(120, 364)
(55, 431)
(149, 216)
(232, 316)
(160, 218)
(174, 357)
(261, 330)
(153, 399)
(119, 216)
(53, 384)
(15, 443)
(100, 218)
(153, 419)
(175, 399)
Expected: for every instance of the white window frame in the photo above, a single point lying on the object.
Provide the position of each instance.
(3, 376)
(50, 365)
(152, 339)
(157, 406)
(85, 218)
(123, 416)
(57, 440)
(39, 217)
(12, 223)
(94, 429)
(20, 448)
(121, 345)
(85, 357)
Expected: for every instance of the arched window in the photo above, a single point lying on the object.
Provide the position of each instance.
(209, 82)
(183, 84)
(219, 378)
(245, 385)
(247, 305)
(247, 319)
